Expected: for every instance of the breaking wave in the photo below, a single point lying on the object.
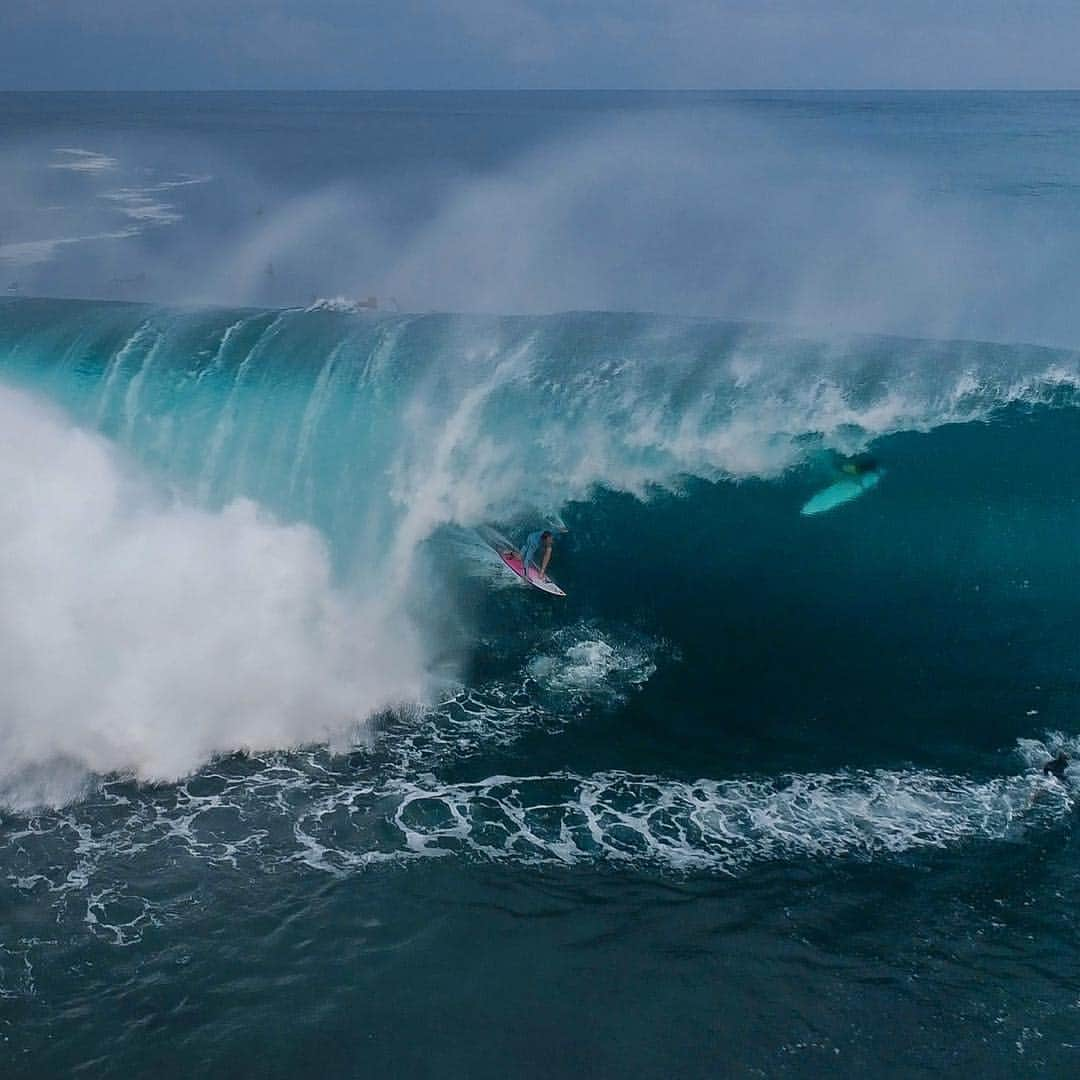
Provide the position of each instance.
(255, 531)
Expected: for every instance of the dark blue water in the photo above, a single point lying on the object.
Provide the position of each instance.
(297, 779)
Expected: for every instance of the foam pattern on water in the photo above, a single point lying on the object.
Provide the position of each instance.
(129, 861)
(582, 667)
(245, 816)
(249, 814)
(710, 825)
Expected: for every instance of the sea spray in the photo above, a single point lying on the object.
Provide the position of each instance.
(141, 634)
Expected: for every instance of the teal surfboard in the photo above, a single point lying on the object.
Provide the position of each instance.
(840, 492)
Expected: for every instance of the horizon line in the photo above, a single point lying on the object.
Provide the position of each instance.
(552, 90)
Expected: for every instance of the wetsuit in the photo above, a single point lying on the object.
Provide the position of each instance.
(533, 544)
(1057, 767)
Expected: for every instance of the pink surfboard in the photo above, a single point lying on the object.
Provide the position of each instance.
(544, 584)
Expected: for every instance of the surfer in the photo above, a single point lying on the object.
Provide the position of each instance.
(854, 476)
(1057, 766)
(860, 465)
(534, 544)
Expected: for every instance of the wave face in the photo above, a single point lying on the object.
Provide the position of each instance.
(257, 529)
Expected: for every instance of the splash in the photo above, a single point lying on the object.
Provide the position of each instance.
(141, 634)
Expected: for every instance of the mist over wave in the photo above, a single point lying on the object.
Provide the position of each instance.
(748, 208)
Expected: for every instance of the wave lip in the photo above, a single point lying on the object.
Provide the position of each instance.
(392, 427)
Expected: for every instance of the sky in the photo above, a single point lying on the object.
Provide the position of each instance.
(541, 44)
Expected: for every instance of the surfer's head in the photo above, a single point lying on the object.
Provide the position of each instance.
(861, 465)
(1057, 767)
(546, 538)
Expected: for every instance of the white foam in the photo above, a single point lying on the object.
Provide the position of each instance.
(142, 635)
(17, 970)
(309, 812)
(586, 660)
(340, 304)
(726, 826)
(29, 252)
(708, 825)
(143, 208)
(74, 159)
(141, 203)
(140, 207)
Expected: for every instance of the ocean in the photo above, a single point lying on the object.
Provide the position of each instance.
(297, 779)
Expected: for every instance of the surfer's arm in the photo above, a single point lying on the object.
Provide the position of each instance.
(544, 562)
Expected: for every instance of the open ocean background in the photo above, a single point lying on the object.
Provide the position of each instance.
(297, 780)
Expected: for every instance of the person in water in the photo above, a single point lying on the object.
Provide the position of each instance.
(860, 465)
(1056, 768)
(538, 543)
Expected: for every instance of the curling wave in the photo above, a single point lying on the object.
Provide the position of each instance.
(242, 529)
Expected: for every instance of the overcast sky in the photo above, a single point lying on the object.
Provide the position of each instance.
(439, 44)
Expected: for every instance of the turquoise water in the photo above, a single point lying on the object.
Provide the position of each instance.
(297, 779)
